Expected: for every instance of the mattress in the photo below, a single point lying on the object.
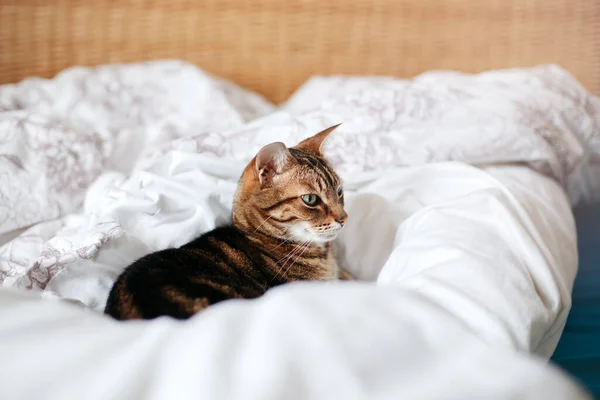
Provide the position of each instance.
(459, 190)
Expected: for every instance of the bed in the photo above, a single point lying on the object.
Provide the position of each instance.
(464, 181)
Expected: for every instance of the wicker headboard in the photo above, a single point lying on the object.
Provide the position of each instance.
(272, 46)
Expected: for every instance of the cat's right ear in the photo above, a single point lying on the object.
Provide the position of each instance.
(270, 161)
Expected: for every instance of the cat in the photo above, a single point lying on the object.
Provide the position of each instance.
(288, 207)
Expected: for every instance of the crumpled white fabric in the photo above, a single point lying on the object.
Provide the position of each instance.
(57, 136)
(480, 258)
(305, 341)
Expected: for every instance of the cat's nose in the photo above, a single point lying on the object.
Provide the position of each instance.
(342, 219)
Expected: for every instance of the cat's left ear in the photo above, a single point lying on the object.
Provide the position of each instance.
(315, 143)
(271, 160)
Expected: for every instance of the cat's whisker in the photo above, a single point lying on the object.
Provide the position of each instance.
(285, 241)
(299, 255)
(297, 249)
(287, 256)
(262, 223)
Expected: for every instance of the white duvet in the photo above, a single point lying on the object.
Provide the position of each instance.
(459, 192)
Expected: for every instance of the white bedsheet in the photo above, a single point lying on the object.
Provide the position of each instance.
(471, 268)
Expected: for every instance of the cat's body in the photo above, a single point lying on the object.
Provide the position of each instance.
(287, 209)
(219, 265)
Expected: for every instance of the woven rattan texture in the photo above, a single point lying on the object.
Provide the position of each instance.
(272, 46)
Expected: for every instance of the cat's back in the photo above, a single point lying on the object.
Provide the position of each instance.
(219, 265)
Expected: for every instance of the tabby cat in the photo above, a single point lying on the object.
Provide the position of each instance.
(288, 207)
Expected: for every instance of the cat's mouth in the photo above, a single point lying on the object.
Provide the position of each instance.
(316, 235)
(326, 236)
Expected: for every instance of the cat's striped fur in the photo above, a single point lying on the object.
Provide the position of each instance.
(277, 236)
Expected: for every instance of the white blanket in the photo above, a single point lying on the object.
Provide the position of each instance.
(473, 265)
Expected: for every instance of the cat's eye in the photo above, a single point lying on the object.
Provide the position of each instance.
(310, 199)
(340, 192)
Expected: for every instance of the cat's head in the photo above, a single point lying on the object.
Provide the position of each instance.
(291, 193)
